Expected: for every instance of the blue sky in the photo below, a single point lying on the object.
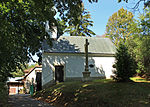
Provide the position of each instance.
(101, 11)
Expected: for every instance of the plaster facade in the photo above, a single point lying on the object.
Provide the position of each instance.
(74, 65)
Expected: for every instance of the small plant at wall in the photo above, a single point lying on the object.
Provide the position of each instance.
(125, 66)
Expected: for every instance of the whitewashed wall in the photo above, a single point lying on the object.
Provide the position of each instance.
(33, 75)
(104, 64)
(74, 66)
(17, 88)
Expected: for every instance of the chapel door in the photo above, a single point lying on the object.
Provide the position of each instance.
(59, 73)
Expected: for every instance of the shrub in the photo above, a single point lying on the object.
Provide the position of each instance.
(125, 66)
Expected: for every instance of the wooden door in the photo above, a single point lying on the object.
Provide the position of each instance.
(39, 81)
(59, 73)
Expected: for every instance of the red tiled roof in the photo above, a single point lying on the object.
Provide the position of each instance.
(103, 36)
(28, 70)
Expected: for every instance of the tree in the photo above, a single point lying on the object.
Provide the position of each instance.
(121, 26)
(139, 45)
(81, 29)
(136, 6)
(125, 66)
(143, 45)
(22, 28)
(20, 72)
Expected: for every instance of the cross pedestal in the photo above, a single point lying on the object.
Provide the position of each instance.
(86, 76)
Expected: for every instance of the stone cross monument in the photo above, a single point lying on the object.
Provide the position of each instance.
(86, 73)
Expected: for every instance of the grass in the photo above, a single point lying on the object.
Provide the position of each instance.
(139, 79)
(3, 95)
(98, 93)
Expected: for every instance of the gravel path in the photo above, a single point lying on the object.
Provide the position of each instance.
(24, 100)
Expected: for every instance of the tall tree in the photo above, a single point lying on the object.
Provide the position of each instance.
(82, 27)
(143, 44)
(139, 45)
(121, 26)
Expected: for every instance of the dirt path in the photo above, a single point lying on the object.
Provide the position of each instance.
(23, 100)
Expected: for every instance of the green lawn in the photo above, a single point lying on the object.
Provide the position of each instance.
(3, 95)
(139, 79)
(98, 93)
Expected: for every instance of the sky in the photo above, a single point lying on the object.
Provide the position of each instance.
(101, 11)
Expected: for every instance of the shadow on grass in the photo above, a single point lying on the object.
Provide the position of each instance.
(98, 93)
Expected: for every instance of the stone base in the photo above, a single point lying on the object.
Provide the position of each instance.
(86, 76)
(81, 78)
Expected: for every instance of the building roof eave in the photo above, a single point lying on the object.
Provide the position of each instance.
(80, 53)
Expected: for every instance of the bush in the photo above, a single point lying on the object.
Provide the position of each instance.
(125, 66)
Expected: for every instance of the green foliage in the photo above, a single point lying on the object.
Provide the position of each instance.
(61, 26)
(81, 29)
(20, 72)
(143, 44)
(143, 56)
(3, 95)
(21, 34)
(121, 26)
(124, 66)
(31, 66)
(139, 45)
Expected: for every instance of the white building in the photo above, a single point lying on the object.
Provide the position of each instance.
(66, 58)
(33, 76)
(15, 85)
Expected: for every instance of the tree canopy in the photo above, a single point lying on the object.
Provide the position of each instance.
(82, 28)
(135, 35)
(143, 44)
(120, 26)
